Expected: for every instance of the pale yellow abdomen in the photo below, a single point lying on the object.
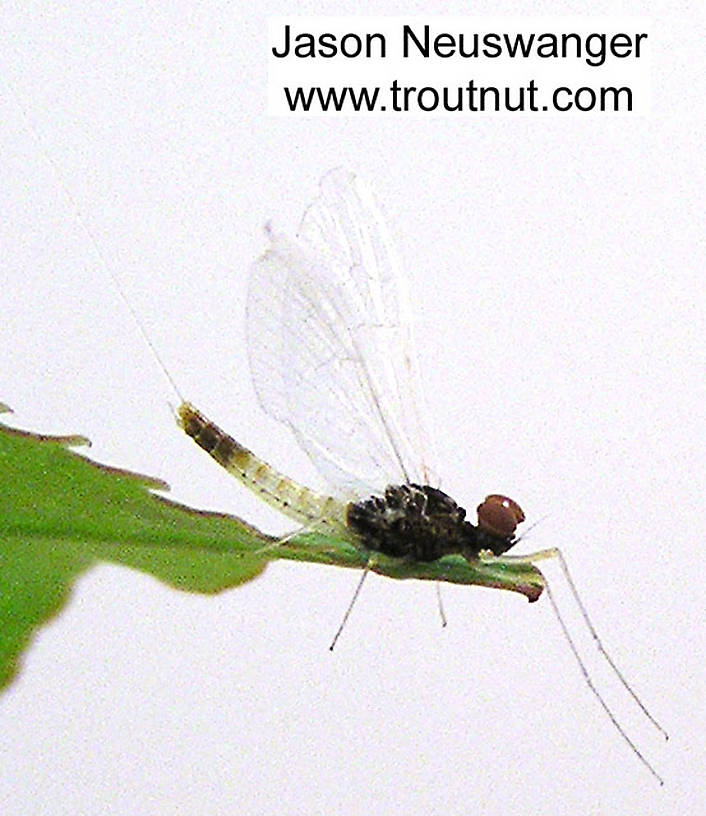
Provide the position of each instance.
(299, 503)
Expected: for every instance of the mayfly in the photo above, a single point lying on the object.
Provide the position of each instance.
(331, 356)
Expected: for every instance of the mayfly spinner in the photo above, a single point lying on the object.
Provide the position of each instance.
(330, 346)
(331, 356)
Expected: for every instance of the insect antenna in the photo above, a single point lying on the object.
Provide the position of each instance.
(525, 533)
(366, 570)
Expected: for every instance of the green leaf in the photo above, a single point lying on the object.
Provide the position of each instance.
(61, 513)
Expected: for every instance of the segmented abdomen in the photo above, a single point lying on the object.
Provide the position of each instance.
(294, 500)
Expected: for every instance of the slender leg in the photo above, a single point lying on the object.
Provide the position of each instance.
(553, 552)
(440, 604)
(273, 545)
(279, 542)
(366, 570)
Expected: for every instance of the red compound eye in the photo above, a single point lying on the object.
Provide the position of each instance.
(499, 515)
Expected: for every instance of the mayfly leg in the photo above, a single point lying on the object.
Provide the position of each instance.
(370, 563)
(555, 552)
(440, 605)
(279, 542)
(314, 527)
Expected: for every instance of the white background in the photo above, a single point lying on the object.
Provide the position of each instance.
(558, 269)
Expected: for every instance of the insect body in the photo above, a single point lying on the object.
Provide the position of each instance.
(422, 522)
(331, 355)
(413, 521)
(293, 500)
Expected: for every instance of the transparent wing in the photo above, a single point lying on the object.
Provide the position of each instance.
(330, 342)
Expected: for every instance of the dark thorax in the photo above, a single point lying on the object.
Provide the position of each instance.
(421, 523)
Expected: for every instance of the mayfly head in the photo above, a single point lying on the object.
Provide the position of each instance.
(498, 517)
